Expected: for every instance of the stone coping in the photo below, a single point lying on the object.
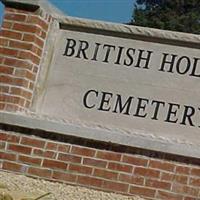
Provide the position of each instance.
(123, 30)
(43, 123)
(150, 33)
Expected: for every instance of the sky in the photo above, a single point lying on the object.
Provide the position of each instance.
(1, 11)
(119, 11)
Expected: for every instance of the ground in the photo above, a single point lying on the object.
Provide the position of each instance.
(26, 188)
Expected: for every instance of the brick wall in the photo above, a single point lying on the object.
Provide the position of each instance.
(121, 172)
(22, 40)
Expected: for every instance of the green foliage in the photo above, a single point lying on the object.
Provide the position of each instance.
(176, 15)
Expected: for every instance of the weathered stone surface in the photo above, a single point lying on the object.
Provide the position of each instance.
(133, 31)
(140, 97)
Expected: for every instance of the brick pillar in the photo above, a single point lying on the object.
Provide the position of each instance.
(22, 40)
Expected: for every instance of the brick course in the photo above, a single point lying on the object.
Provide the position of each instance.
(107, 170)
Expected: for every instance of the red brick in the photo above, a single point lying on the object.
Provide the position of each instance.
(29, 56)
(161, 165)
(29, 75)
(69, 158)
(83, 151)
(2, 106)
(7, 156)
(9, 138)
(13, 81)
(43, 34)
(94, 162)
(17, 63)
(46, 173)
(20, 45)
(146, 192)
(38, 152)
(114, 186)
(2, 60)
(120, 167)
(4, 42)
(4, 89)
(37, 20)
(105, 174)
(147, 172)
(46, 154)
(2, 145)
(6, 24)
(168, 196)
(22, 73)
(52, 146)
(134, 160)
(26, 94)
(12, 99)
(89, 181)
(8, 52)
(9, 99)
(36, 50)
(53, 164)
(186, 190)
(12, 107)
(6, 70)
(39, 42)
(28, 37)
(32, 38)
(64, 176)
(13, 167)
(189, 198)
(195, 172)
(195, 182)
(64, 148)
(35, 69)
(32, 142)
(131, 179)
(108, 155)
(181, 179)
(11, 34)
(80, 169)
(29, 160)
(167, 176)
(19, 149)
(31, 86)
(15, 17)
(26, 28)
(158, 184)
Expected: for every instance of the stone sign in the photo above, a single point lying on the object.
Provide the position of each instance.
(134, 86)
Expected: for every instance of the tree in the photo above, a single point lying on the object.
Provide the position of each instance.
(176, 15)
